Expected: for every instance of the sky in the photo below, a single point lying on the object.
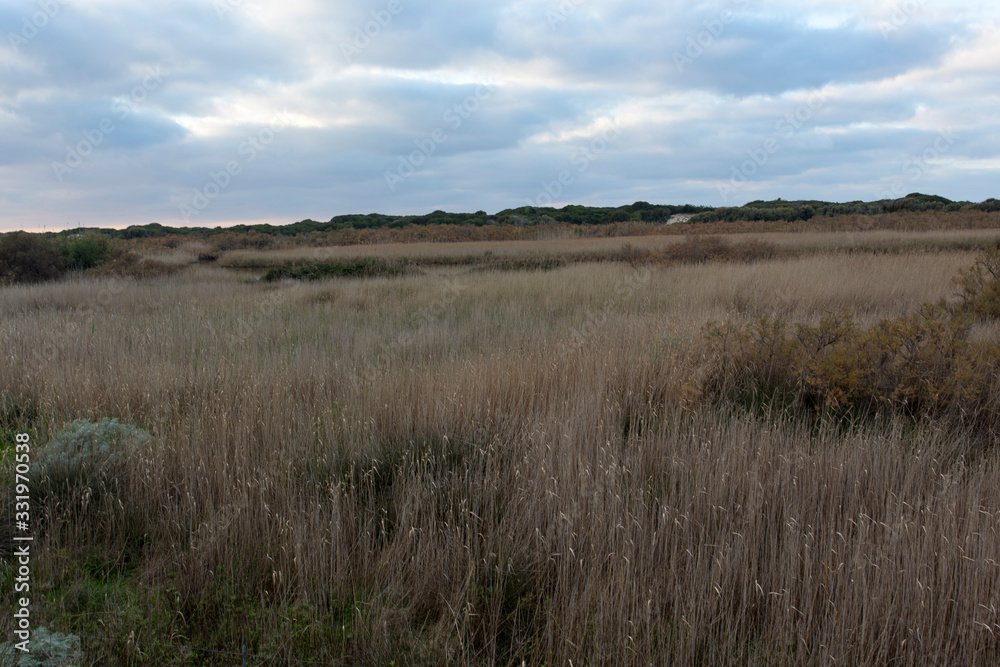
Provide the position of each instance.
(216, 112)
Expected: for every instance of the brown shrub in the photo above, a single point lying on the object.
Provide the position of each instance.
(915, 366)
(910, 364)
(122, 262)
(700, 249)
(751, 363)
(26, 258)
(979, 286)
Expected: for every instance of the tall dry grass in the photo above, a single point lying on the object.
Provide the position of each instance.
(471, 252)
(490, 468)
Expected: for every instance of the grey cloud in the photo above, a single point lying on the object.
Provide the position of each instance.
(593, 62)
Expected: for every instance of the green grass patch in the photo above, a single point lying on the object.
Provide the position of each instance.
(358, 268)
(522, 264)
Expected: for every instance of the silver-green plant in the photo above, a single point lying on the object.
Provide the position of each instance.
(87, 456)
(52, 649)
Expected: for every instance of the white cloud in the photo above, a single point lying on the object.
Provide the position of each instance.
(558, 85)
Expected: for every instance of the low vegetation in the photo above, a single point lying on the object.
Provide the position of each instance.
(48, 649)
(25, 258)
(913, 366)
(86, 459)
(33, 258)
(717, 451)
(911, 213)
(979, 286)
(699, 249)
(362, 268)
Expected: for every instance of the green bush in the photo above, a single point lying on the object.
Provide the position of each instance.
(87, 251)
(87, 457)
(26, 258)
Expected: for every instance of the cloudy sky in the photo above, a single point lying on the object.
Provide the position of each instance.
(209, 112)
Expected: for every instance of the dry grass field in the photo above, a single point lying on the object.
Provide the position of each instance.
(472, 467)
(599, 247)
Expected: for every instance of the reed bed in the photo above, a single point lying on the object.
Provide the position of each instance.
(461, 253)
(495, 468)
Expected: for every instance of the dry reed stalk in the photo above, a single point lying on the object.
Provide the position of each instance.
(498, 488)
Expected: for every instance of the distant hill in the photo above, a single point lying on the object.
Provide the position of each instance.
(780, 210)
(756, 211)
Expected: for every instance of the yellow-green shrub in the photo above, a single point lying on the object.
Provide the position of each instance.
(910, 364)
(979, 286)
(920, 366)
